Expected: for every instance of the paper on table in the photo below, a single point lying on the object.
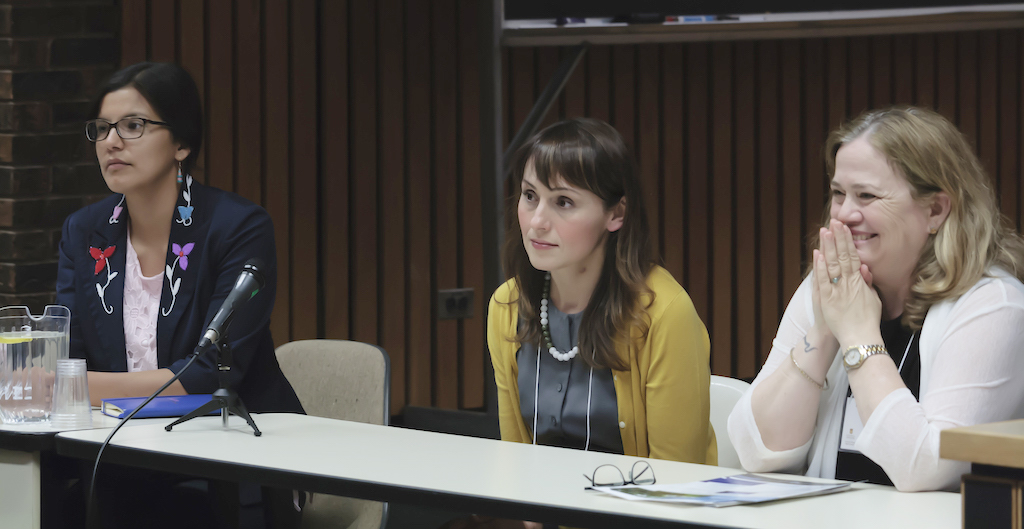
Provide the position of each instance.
(723, 492)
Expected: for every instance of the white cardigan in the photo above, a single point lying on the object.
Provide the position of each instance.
(972, 372)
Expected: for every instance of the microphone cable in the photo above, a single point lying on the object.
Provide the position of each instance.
(91, 508)
(239, 294)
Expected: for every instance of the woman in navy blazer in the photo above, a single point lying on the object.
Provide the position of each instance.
(147, 130)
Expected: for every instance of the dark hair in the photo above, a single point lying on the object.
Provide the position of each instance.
(172, 93)
(588, 154)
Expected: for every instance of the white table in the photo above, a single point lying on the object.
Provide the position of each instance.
(476, 475)
(21, 480)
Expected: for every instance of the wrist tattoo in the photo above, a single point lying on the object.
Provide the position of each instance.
(807, 346)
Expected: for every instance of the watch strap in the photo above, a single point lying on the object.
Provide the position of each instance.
(866, 351)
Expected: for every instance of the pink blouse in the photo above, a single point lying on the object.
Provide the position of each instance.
(141, 306)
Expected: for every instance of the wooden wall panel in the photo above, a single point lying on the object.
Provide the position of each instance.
(623, 94)
(360, 179)
(836, 87)
(881, 75)
(302, 137)
(574, 95)
(903, 68)
(356, 124)
(673, 236)
(134, 37)
(443, 196)
(858, 87)
(769, 296)
(276, 159)
(418, 160)
(522, 90)
(648, 137)
(248, 120)
(220, 94)
(988, 101)
(946, 82)
(745, 186)
(722, 189)
(341, 101)
(162, 38)
(1020, 109)
(547, 62)
(967, 84)
(815, 128)
(790, 213)
(1008, 125)
(393, 303)
(192, 49)
(471, 267)
(598, 75)
(924, 80)
(697, 127)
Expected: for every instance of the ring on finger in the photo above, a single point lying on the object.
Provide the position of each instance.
(835, 279)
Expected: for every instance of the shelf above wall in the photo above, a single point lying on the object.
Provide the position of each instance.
(768, 26)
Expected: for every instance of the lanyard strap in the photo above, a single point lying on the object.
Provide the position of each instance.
(906, 354)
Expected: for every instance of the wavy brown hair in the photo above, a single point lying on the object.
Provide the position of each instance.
(933, 156)
(587, 154)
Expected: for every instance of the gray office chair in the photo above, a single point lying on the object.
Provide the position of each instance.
(345, 380)
(725, 393)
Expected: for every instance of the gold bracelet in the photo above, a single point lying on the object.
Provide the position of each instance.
(804, 373)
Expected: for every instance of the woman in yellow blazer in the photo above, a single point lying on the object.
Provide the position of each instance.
(594, 346)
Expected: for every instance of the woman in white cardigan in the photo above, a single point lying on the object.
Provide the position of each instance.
(911, 320)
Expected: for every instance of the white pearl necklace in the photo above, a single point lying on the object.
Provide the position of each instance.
(560, 356)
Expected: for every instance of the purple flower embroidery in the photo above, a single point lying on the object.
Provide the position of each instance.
(117, 212)
(182, 253)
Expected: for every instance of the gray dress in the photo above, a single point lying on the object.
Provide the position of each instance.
(562, 392)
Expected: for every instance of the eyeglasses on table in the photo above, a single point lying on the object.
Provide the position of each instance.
(611, 476)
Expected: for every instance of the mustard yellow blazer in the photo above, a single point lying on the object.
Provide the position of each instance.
(662, 399)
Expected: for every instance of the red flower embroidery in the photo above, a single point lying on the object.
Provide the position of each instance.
(101, 257)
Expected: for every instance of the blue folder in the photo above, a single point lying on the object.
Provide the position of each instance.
(163, 406)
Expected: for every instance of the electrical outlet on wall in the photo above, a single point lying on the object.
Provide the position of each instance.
(455, 303)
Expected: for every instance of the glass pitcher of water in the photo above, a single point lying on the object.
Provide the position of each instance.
(29, 349)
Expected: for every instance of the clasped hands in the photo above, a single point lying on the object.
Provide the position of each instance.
(846, 305)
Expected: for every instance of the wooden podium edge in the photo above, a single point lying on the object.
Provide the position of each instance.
(1000, 443)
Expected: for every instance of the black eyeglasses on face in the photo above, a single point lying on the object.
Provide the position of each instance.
(611, 476)
(127, 128)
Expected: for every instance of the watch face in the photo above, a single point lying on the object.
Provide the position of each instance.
(852, 357)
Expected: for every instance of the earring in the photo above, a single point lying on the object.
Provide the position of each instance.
(933, 230)
(179, 172)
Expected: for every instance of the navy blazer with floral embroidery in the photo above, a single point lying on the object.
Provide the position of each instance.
(213, 233)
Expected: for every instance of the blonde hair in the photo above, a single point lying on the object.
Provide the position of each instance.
(933, 156)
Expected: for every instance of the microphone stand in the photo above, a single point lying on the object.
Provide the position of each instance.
(224, 399)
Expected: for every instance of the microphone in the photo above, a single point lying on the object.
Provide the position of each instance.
(250, 281)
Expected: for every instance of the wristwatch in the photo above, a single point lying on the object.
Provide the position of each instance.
(855, 355)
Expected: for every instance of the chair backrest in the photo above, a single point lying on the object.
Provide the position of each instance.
(339, 379)
(725, 392)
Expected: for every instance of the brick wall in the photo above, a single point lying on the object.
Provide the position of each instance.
(53, 53)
